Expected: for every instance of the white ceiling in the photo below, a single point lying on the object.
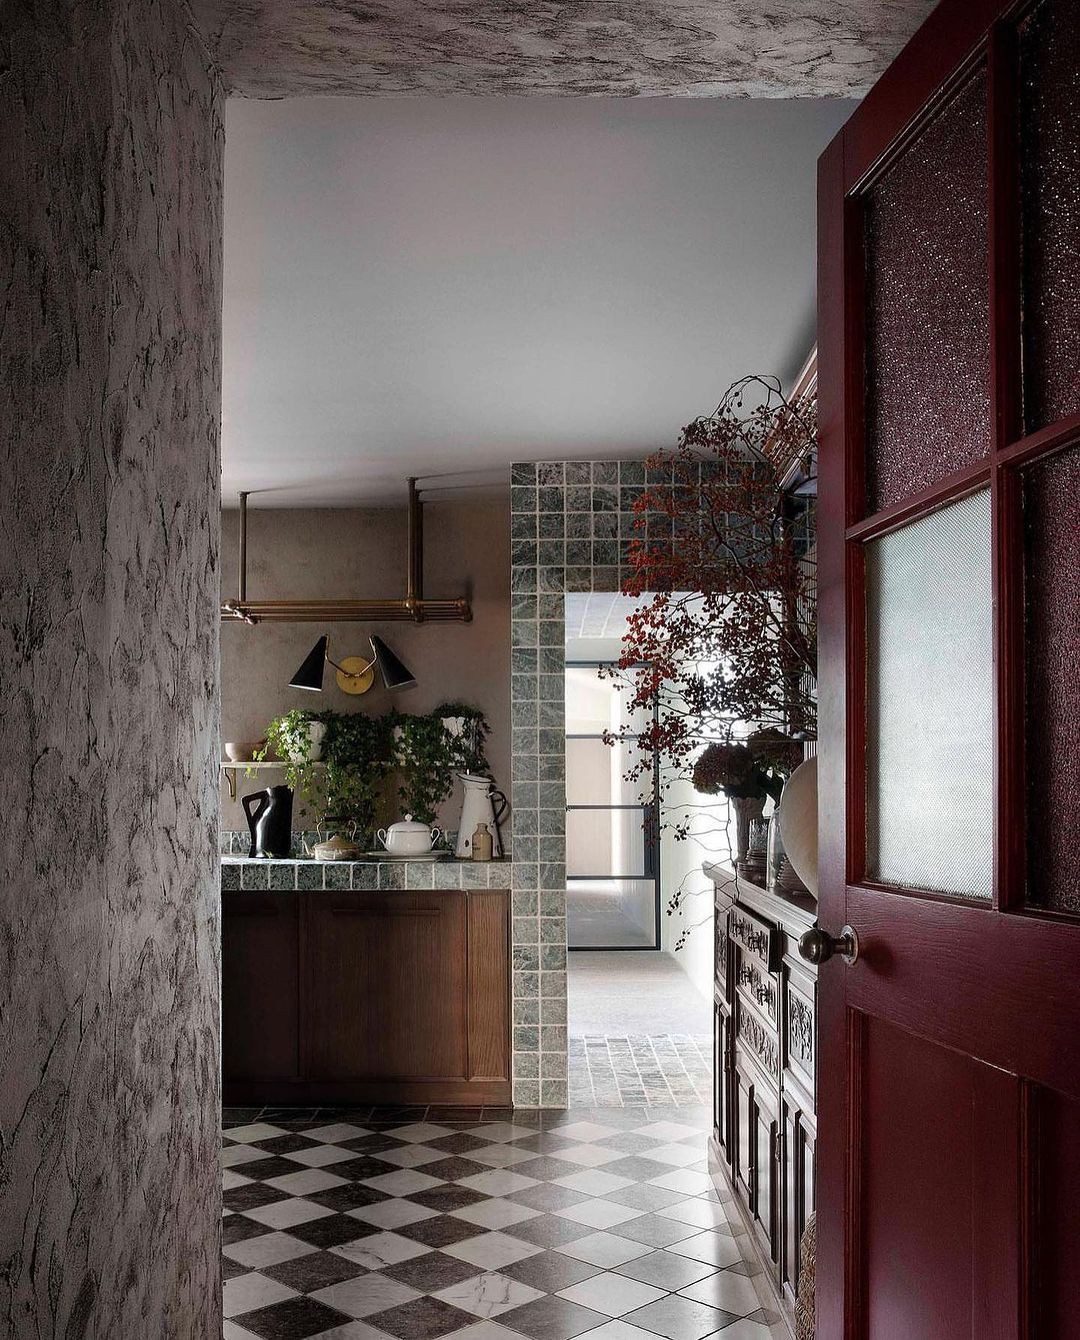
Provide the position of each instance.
(429, 286)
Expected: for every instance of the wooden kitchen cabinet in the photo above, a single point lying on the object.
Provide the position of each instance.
(260, 939)
(387, 997)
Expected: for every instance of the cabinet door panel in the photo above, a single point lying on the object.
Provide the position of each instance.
(766, 1189)
(386, 986)
(489, 984)
(259, 985)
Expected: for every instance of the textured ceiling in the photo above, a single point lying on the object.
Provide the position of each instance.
(703, 48)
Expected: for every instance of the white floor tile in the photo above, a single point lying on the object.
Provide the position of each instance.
(500, 1131)
(259, 1130)
(409, 1156)
(604, 1249)
(734, 1293)
(338, 1132)
(717, 1249)
(483, 1330)
(231, 1179)
(236, 1155)
(491, 1251)
(244, 1293)
(585, 1130)
(745, 1330)
(285, 1213)
(404, 1182)
(678, 1156)
(489, 1294)
(495, 1213)
(611, 1294)
(590, 1156)
(599, 1213)
(497, 1182)
(682, 1179)
(392, 1213)
(381, 1249)
(269, 1249)
(619, 1330)
(702, 1213)
(365, 1295)
(320, 1156)
(667, 1130)
(593, 1182)
(305, 1182)
(500, 1156)
(420, 1131)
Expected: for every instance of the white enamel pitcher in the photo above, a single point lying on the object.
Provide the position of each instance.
(482, 804)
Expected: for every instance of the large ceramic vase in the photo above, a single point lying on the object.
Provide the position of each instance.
(744, 808)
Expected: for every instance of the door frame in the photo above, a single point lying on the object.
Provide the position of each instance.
(652, 850)
(953, 938)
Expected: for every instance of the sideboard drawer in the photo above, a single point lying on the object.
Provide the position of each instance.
(756, 986)
(758, 938)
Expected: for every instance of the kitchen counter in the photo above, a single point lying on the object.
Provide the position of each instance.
(365, 981)
(241, 872)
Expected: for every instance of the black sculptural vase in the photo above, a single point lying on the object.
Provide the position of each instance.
(269, 816)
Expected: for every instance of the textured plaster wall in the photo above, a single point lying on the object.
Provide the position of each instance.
(110, 229)
(706, 48)
(320, 553)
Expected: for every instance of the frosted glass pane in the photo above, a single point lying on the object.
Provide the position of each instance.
(605, 842)
(595, 705)
(595, 774)
(929, 741)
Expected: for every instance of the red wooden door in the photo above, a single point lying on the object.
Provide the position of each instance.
(949, 385)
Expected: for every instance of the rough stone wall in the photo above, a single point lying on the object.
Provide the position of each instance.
(110, 228)
(701, 48)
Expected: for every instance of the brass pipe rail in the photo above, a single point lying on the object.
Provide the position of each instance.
(412, 609)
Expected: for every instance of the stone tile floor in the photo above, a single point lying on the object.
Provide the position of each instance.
(673, 1070)
(481, 1224)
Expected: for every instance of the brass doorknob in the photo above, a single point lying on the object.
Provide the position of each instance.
(818, 946)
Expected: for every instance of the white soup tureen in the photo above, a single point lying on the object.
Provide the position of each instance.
(408, 837)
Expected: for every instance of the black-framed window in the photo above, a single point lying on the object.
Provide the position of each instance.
(612, 833)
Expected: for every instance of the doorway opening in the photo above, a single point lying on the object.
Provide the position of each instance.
(638, 970)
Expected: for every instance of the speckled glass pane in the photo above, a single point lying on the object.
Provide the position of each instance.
(927, 305)
(929, 696)
(1050, 159)
(1052, 581)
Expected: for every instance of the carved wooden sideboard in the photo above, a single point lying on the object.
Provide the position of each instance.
(764, 1094)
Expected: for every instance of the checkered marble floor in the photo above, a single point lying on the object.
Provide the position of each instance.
(481, 1225)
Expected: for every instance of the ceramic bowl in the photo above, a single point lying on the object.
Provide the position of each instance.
(242, 751)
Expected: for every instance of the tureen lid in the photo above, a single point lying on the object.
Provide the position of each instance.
(409, 825)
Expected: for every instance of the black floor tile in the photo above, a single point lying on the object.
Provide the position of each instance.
(332, 1230)
(458, 1143)
(251, 1196)
(441, 1231)
(319, 1270)
(347, 1197)
(294, 1319)
(422, 1319)
(550, 1271)
(432, 1272)
(260, 1170)
(453, 1169)
(679, 1318)
(449, 1197)
(237, 1228)
(551, 1318)
(363, 1166)
(549, 1230)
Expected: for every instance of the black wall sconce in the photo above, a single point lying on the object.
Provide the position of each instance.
(354, 673)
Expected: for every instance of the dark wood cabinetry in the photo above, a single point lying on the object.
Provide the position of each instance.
(764, 1027)
(397, 996)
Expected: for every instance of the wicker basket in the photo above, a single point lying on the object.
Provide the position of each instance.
(804, 1303)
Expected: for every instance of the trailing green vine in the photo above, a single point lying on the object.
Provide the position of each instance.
(359, 753)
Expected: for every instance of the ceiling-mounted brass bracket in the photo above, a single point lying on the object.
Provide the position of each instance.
(412, 609)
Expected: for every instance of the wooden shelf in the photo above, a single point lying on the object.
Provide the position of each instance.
(230, 769)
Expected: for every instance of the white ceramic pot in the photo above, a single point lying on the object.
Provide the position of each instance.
(797, 818)
(408, 837)
(316, 733)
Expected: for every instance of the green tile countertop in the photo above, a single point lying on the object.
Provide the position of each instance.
(241, 872)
